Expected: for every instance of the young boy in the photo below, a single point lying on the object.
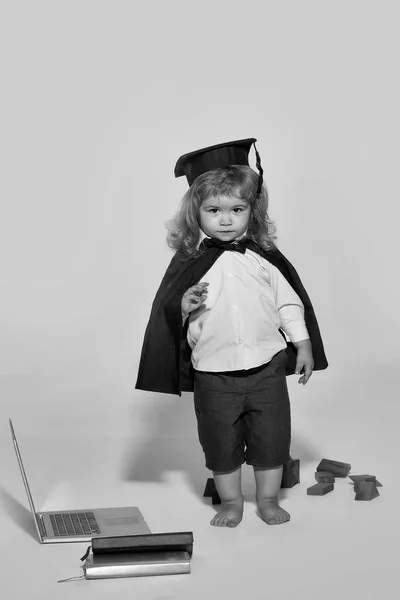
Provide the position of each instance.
(226, 305)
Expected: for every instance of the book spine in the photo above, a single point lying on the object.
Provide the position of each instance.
(114, 571)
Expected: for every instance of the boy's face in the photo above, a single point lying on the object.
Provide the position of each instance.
(224, 218)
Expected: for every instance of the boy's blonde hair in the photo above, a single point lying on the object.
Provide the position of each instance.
(238, 181)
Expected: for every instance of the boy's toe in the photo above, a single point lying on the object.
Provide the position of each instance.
(229, 515)
(233, 522)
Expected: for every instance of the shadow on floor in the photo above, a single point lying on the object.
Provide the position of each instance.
(18, 513)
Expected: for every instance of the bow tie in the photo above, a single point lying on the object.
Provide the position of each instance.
(239, 246)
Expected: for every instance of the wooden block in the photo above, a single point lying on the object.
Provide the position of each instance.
(211, 491)
(210, 488)
(215, 498)
(291, 473)
(357, 478)
(339, 469)
(365, 490)
(357, 486)
(320, 489)
(324, 477)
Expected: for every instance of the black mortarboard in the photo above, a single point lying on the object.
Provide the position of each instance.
(201, 161)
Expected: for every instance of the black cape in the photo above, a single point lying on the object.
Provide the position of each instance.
(165, 364)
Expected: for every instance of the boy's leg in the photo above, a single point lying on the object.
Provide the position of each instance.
(268, 435)
(229, 488)
(268, 483)
(219, 402)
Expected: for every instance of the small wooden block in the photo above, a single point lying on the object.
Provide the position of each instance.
(324, 477)
(365, 490)
(291, 473)
(339, 469)
(211, 491)
(320, 489)
(357, 478)
(210, 488)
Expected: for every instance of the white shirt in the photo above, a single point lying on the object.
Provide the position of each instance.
(248, 301)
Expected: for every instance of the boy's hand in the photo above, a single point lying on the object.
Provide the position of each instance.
(194, 297)
(304, 360)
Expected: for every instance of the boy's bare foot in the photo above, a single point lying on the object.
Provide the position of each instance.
(229, 514)
(272, 513)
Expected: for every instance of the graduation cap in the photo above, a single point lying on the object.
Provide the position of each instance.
(201, 161)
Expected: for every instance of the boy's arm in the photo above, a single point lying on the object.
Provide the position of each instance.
(278, 260)
(291, 313)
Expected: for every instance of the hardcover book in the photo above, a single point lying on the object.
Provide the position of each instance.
(150, 542)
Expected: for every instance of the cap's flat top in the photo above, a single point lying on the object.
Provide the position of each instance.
(190, 156)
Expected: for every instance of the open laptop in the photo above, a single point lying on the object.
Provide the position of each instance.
(84, 524)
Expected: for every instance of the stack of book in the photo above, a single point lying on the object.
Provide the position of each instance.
(139, 555)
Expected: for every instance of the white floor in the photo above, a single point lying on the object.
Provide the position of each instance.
(332, 547)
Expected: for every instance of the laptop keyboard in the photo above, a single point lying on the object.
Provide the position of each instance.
(67, 524)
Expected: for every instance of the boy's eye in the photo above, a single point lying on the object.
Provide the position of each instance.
(236, 210)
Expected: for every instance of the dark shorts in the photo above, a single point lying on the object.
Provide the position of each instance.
(244, 416)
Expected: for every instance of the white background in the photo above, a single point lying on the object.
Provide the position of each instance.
(98, 101)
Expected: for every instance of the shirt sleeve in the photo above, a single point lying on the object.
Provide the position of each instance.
(289, 306)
